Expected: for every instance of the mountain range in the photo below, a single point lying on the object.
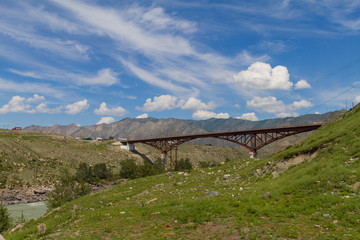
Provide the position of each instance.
(135, 128)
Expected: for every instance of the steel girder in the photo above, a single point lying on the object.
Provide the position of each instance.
(252, 139)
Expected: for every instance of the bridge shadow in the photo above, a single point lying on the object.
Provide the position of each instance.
(143, 156)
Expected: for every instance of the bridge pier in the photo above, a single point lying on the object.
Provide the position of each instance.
(253, 154)
(164, 158)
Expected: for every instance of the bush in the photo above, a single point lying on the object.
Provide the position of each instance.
(129, 169)
(66, 190)
(101, 171)
(5, 220)
(183, 164)
(84, 173)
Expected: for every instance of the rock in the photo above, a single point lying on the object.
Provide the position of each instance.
(169, 174)
(226, 176)
(266, 195)
(209, 194)
(335, 221)
(122, 212)
(1, 237)
(186, 174)
(42, 228)
(39, 191)
(326, 215)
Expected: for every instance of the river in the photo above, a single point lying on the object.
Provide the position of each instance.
(28, 210)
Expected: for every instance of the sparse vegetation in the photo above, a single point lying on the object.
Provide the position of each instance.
(5, 220)
(183, 164)
(67, 189)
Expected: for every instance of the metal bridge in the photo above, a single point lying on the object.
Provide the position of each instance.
(251, 139)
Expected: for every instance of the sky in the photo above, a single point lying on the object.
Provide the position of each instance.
(92, 62)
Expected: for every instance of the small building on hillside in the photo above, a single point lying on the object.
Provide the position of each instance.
(16, 128)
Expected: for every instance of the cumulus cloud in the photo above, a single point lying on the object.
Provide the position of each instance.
(106, 120)
(248, 116)
(16, 104)
(272, 105)
(158, 104)
(21, 104)
(144, 115)
(195, 104)
(202, 114)
(299, 104)
(35, 98)
(104, 110)
(357, 99)
(42, 108)
(261, 75)
(302, 84)
(77, 107)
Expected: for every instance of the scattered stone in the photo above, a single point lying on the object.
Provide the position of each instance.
(180, 173)
(1, 237)
(39, 191)
(186, 174)
(335, 221)
(169, 174)
(241, 189)
(326, 215)
(266, 195)
(155, 213)
(209, 194)
(42, 228)
(122, 212)
(226, 176)
(222, 163)
(107, 214)
(73, 213)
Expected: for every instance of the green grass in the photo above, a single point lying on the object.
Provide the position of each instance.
(316, 199)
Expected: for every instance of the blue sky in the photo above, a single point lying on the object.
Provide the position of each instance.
(92, 62)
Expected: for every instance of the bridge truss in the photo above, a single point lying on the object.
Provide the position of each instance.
(252, 139)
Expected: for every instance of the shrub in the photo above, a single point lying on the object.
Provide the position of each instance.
(129, 169)
(183, 164)
(66, 190)
(101, 171)
(84, 173)
(5, 220)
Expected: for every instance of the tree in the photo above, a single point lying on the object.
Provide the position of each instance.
(183, 164)
(5, 219)
(66, 190)
(101, 171)
(84, 173)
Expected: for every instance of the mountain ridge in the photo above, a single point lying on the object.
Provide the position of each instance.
(134, 128)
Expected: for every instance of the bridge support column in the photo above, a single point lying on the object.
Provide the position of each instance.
(253, 154)
(164, 158)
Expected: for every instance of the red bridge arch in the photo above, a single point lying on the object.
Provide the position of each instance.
(251, 139)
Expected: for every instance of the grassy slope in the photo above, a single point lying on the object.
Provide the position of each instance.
(33, 159)
(317, 199)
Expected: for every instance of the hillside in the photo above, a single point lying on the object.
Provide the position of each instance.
(152, 127)
(308, 191)
(32, 159)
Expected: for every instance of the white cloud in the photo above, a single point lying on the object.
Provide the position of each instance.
(42, 108)
(158, 104)
(237, 105)
(357, 99)
(35, 98)
(105, 77)
(104, 110)
(144, 115)
(16, 104)
(299, 104)
(302, 84)
(21, 104)
(106, 120)
(202, 114)
(248, 116)
(266, 104)
(195, 104)
(26, 87)
(77, 107)
(260, 75)
(277, 107)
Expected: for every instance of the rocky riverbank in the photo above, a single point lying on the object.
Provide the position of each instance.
(30, 195)
(23, 195)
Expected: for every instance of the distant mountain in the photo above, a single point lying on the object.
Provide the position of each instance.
(134, 128)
